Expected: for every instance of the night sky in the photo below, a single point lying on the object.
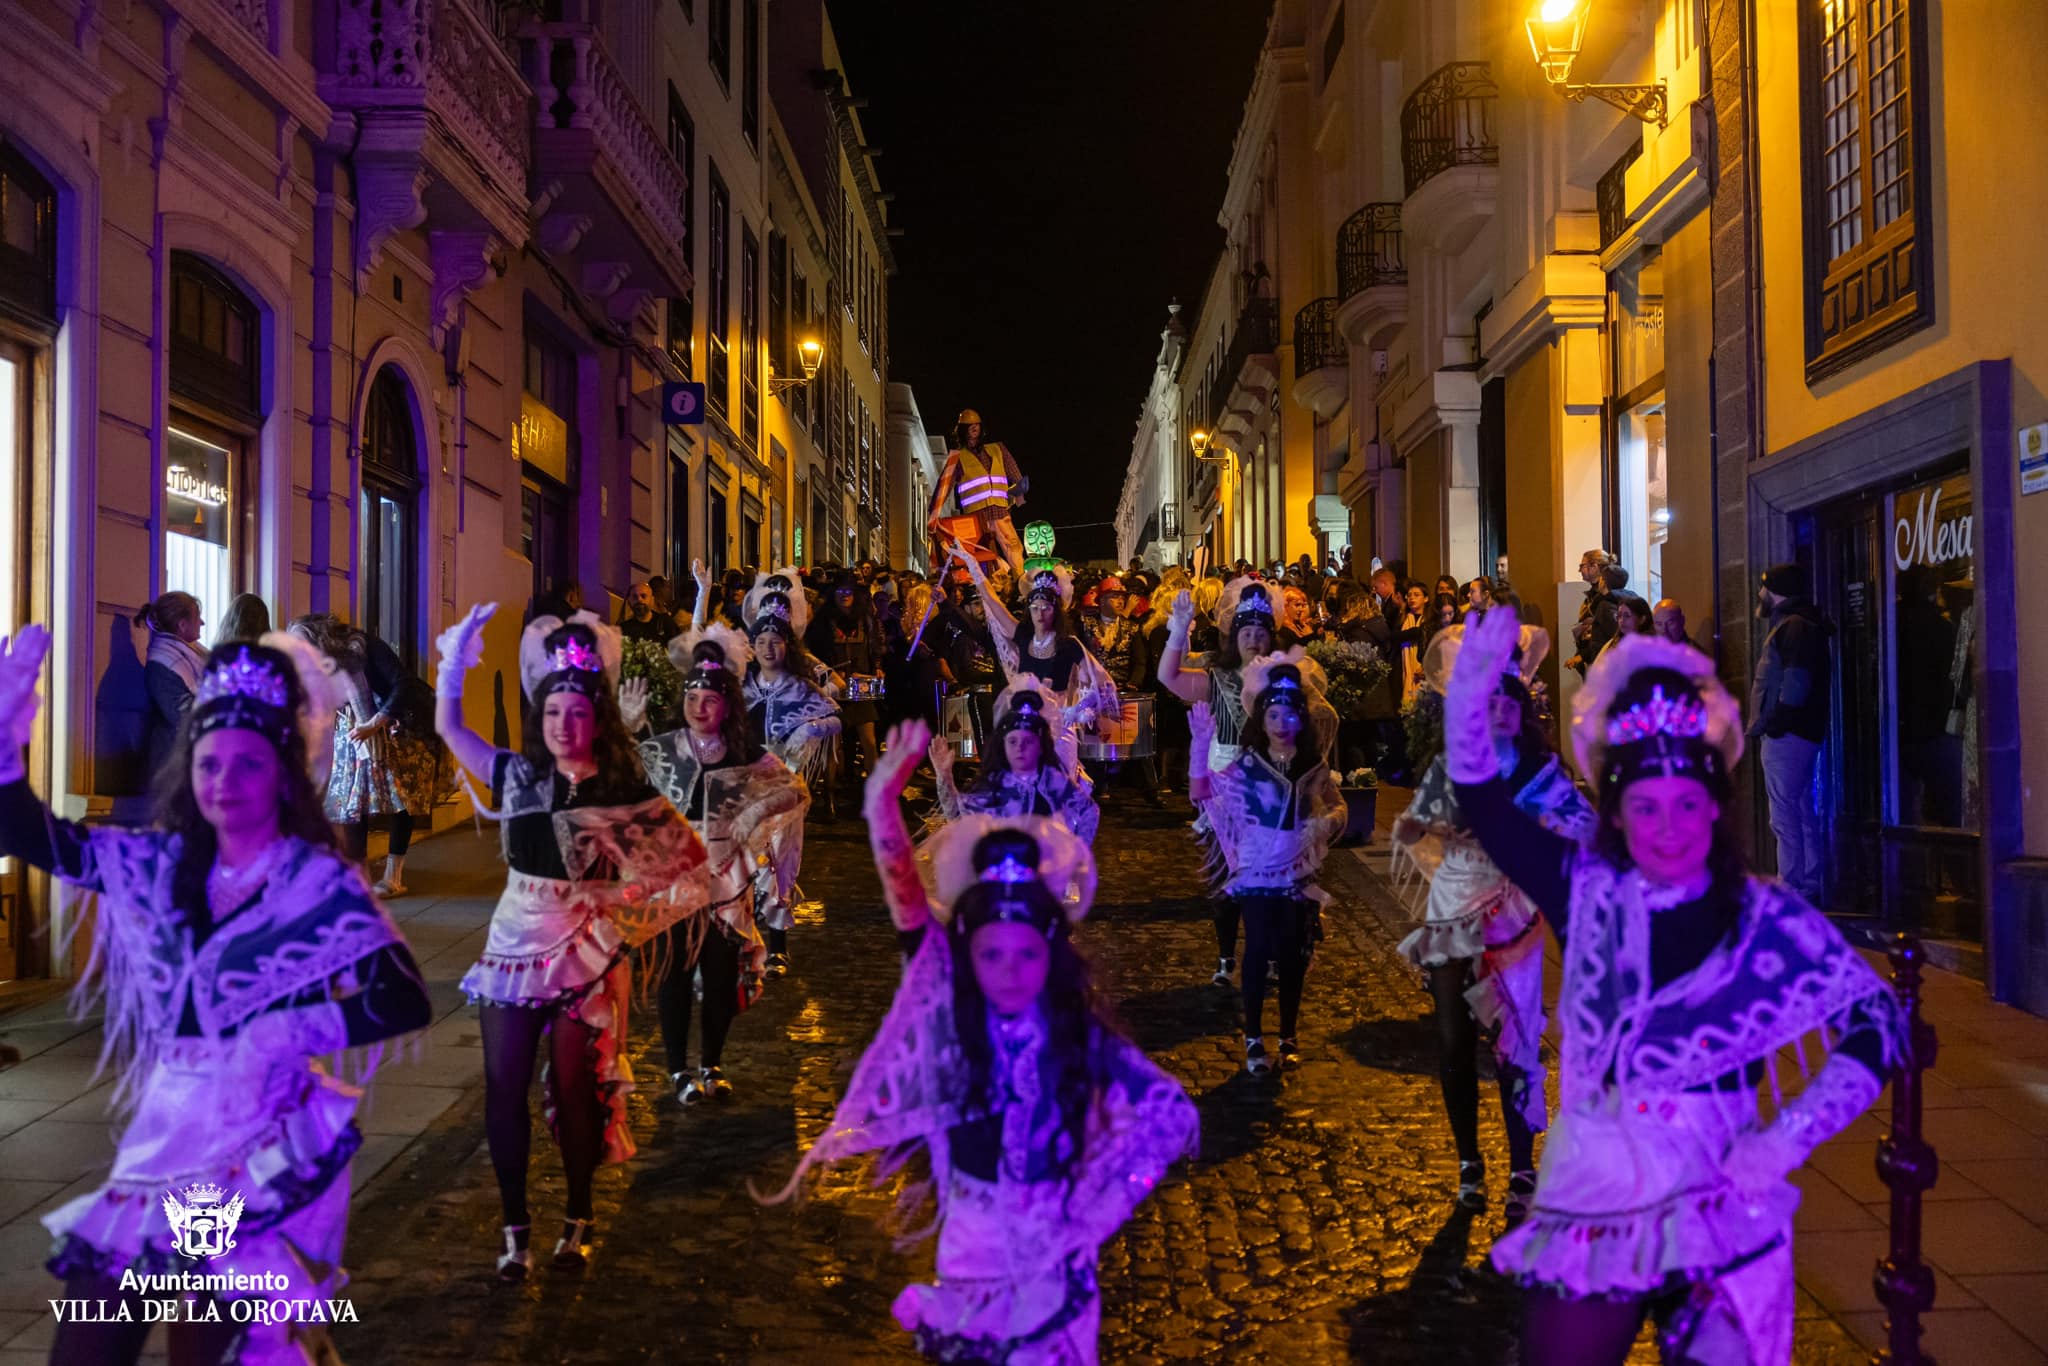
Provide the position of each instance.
(1057, 170)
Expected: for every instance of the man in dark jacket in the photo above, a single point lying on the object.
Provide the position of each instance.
(1595, 626)
(1788, 715)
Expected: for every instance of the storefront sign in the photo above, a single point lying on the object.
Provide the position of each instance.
(541, 439)
(180, 482)
(2034, 458)
(1932, 524)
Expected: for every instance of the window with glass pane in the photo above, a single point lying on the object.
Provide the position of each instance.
(717, 359)
(750, 336)
(1934, 646)
(750, 73)
(201, 464)
(388, 530)
(718, 40)
(1863, 109)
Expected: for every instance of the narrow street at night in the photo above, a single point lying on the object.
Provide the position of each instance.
(1317, 1225)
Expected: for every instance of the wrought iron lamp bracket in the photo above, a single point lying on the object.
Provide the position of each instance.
(1650, 103)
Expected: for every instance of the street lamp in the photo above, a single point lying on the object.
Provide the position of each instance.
(1557, 34)
(809, 352)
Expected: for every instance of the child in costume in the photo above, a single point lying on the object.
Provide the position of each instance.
(1043, 1127)
(1029, 774)
(1271, 815)
(1479, 945)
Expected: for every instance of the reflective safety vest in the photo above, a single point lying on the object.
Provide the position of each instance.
(984, 478)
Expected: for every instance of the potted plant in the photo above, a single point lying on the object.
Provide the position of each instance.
(1361, 790)
(645, 659)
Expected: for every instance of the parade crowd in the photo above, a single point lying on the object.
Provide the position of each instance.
(652, 816)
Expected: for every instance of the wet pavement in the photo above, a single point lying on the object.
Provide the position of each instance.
(1317, 1224)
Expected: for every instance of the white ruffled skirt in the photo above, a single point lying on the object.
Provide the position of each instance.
(1631, 1200)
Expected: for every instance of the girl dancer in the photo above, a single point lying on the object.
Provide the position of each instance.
(1479, 947)
(1684, 977)
(585, 836)
(1244, 622)
(1272, 814)
(1045, 646)
(748, 808)
(234, 946)
(1030, 775)
(788, 712)
(1044, 1127)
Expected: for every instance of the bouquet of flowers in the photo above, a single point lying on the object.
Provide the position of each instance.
(1354, 669)
(645, 659)
(1360, 777)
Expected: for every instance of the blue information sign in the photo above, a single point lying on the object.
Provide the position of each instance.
(682, 403)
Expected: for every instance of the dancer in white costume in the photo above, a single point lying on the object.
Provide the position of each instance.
(590, 845)
(1043, 1127)
(1479, 946)
(233, 947)
(1661, 1192)
(1030, 773)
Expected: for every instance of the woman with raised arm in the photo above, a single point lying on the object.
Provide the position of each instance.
(1272, 813)
(233, 947)
(1479, 947)
(1045, 647)
(1685, 978)
(748, 808)
(589, 843)
(1029, 775)
(1044, 1128)
(1244, 622)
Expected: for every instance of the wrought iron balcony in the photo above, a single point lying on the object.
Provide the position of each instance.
(1318, 345)
(1448, 121)
(1258, 334)
(1369, 251)
(622, 193)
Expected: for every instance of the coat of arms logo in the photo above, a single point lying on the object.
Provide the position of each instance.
(203, 1220)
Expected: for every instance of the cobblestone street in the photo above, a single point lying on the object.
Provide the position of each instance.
(1317, 1224)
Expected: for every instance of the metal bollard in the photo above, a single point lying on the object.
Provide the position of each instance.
(1907, 1165)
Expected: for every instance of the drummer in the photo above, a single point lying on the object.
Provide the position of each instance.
(1117, 640)
(965, 643)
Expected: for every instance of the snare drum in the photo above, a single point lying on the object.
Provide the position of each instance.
(1127, 735)
(964, 720)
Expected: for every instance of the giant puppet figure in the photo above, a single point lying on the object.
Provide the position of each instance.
(983, 482)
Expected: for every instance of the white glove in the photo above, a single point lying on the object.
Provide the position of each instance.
(21, 662)
(1179, 620)
(1201, 731)
(633, 704)
(462, 649)
(1759, 1160)
(293, 1033)
(1468, 734)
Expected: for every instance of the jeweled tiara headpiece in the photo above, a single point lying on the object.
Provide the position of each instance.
(1254, 608)
(1045, 585)
(574, 654)
(244, 675)
(1682, 718)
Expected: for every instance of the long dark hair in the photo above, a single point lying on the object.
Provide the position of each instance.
(990, 779)
(617, 757)
(1227, 656)
(1077, 1033)
(741, 746)
(1306, 753)
(246, 620)
(796, 660)
(302, 812)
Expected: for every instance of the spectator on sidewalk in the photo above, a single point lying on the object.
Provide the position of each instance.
(246, 622)
(1667, 619)
(175, 663)
(1596, 615)
(1788, 710)
(640, 618)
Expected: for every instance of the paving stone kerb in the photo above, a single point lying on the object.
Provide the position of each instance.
(1317, 1225)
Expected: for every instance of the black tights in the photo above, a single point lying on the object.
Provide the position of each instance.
(1562, 1330)
(1275, 928)
(1457, 1036)
(1226, 927)
(778, 940)
(356, 836)
(720, 960)
(120, 1344)
(512, 1040)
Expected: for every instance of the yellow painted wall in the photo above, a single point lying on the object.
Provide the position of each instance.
(1990, 205)
(1426, 477)
(1535, 527)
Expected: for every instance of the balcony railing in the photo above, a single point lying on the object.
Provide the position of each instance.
(1317, 342)
(1258, 334)
(1369, 252)
(580, 89)
(1448, 122)
(474, 84)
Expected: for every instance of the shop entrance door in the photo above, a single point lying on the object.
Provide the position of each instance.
(1895, 574)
